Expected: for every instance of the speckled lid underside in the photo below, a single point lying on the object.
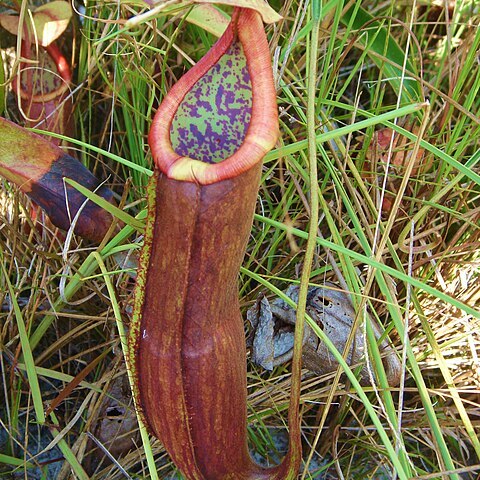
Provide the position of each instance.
(42, 78)
(212, 120)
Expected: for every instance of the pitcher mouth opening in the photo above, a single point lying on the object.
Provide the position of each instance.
(44, 82)
(221, 118)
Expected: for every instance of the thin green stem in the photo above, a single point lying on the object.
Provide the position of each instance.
(294, 418)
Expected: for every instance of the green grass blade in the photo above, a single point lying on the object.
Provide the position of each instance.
(86, 269)
(66, 451)
(385, 52)
(345, 368)
(16, 462)
(377, 265)
(26, 351)
(124, 342)
(95, 149)
(343, 131)
(106, 205)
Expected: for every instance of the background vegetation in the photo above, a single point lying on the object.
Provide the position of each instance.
(399, 228)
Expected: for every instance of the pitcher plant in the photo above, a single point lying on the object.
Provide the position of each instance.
(187, 343)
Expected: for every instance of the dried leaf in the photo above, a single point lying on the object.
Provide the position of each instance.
(116, 425)
(333, 311)
(261, 318)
